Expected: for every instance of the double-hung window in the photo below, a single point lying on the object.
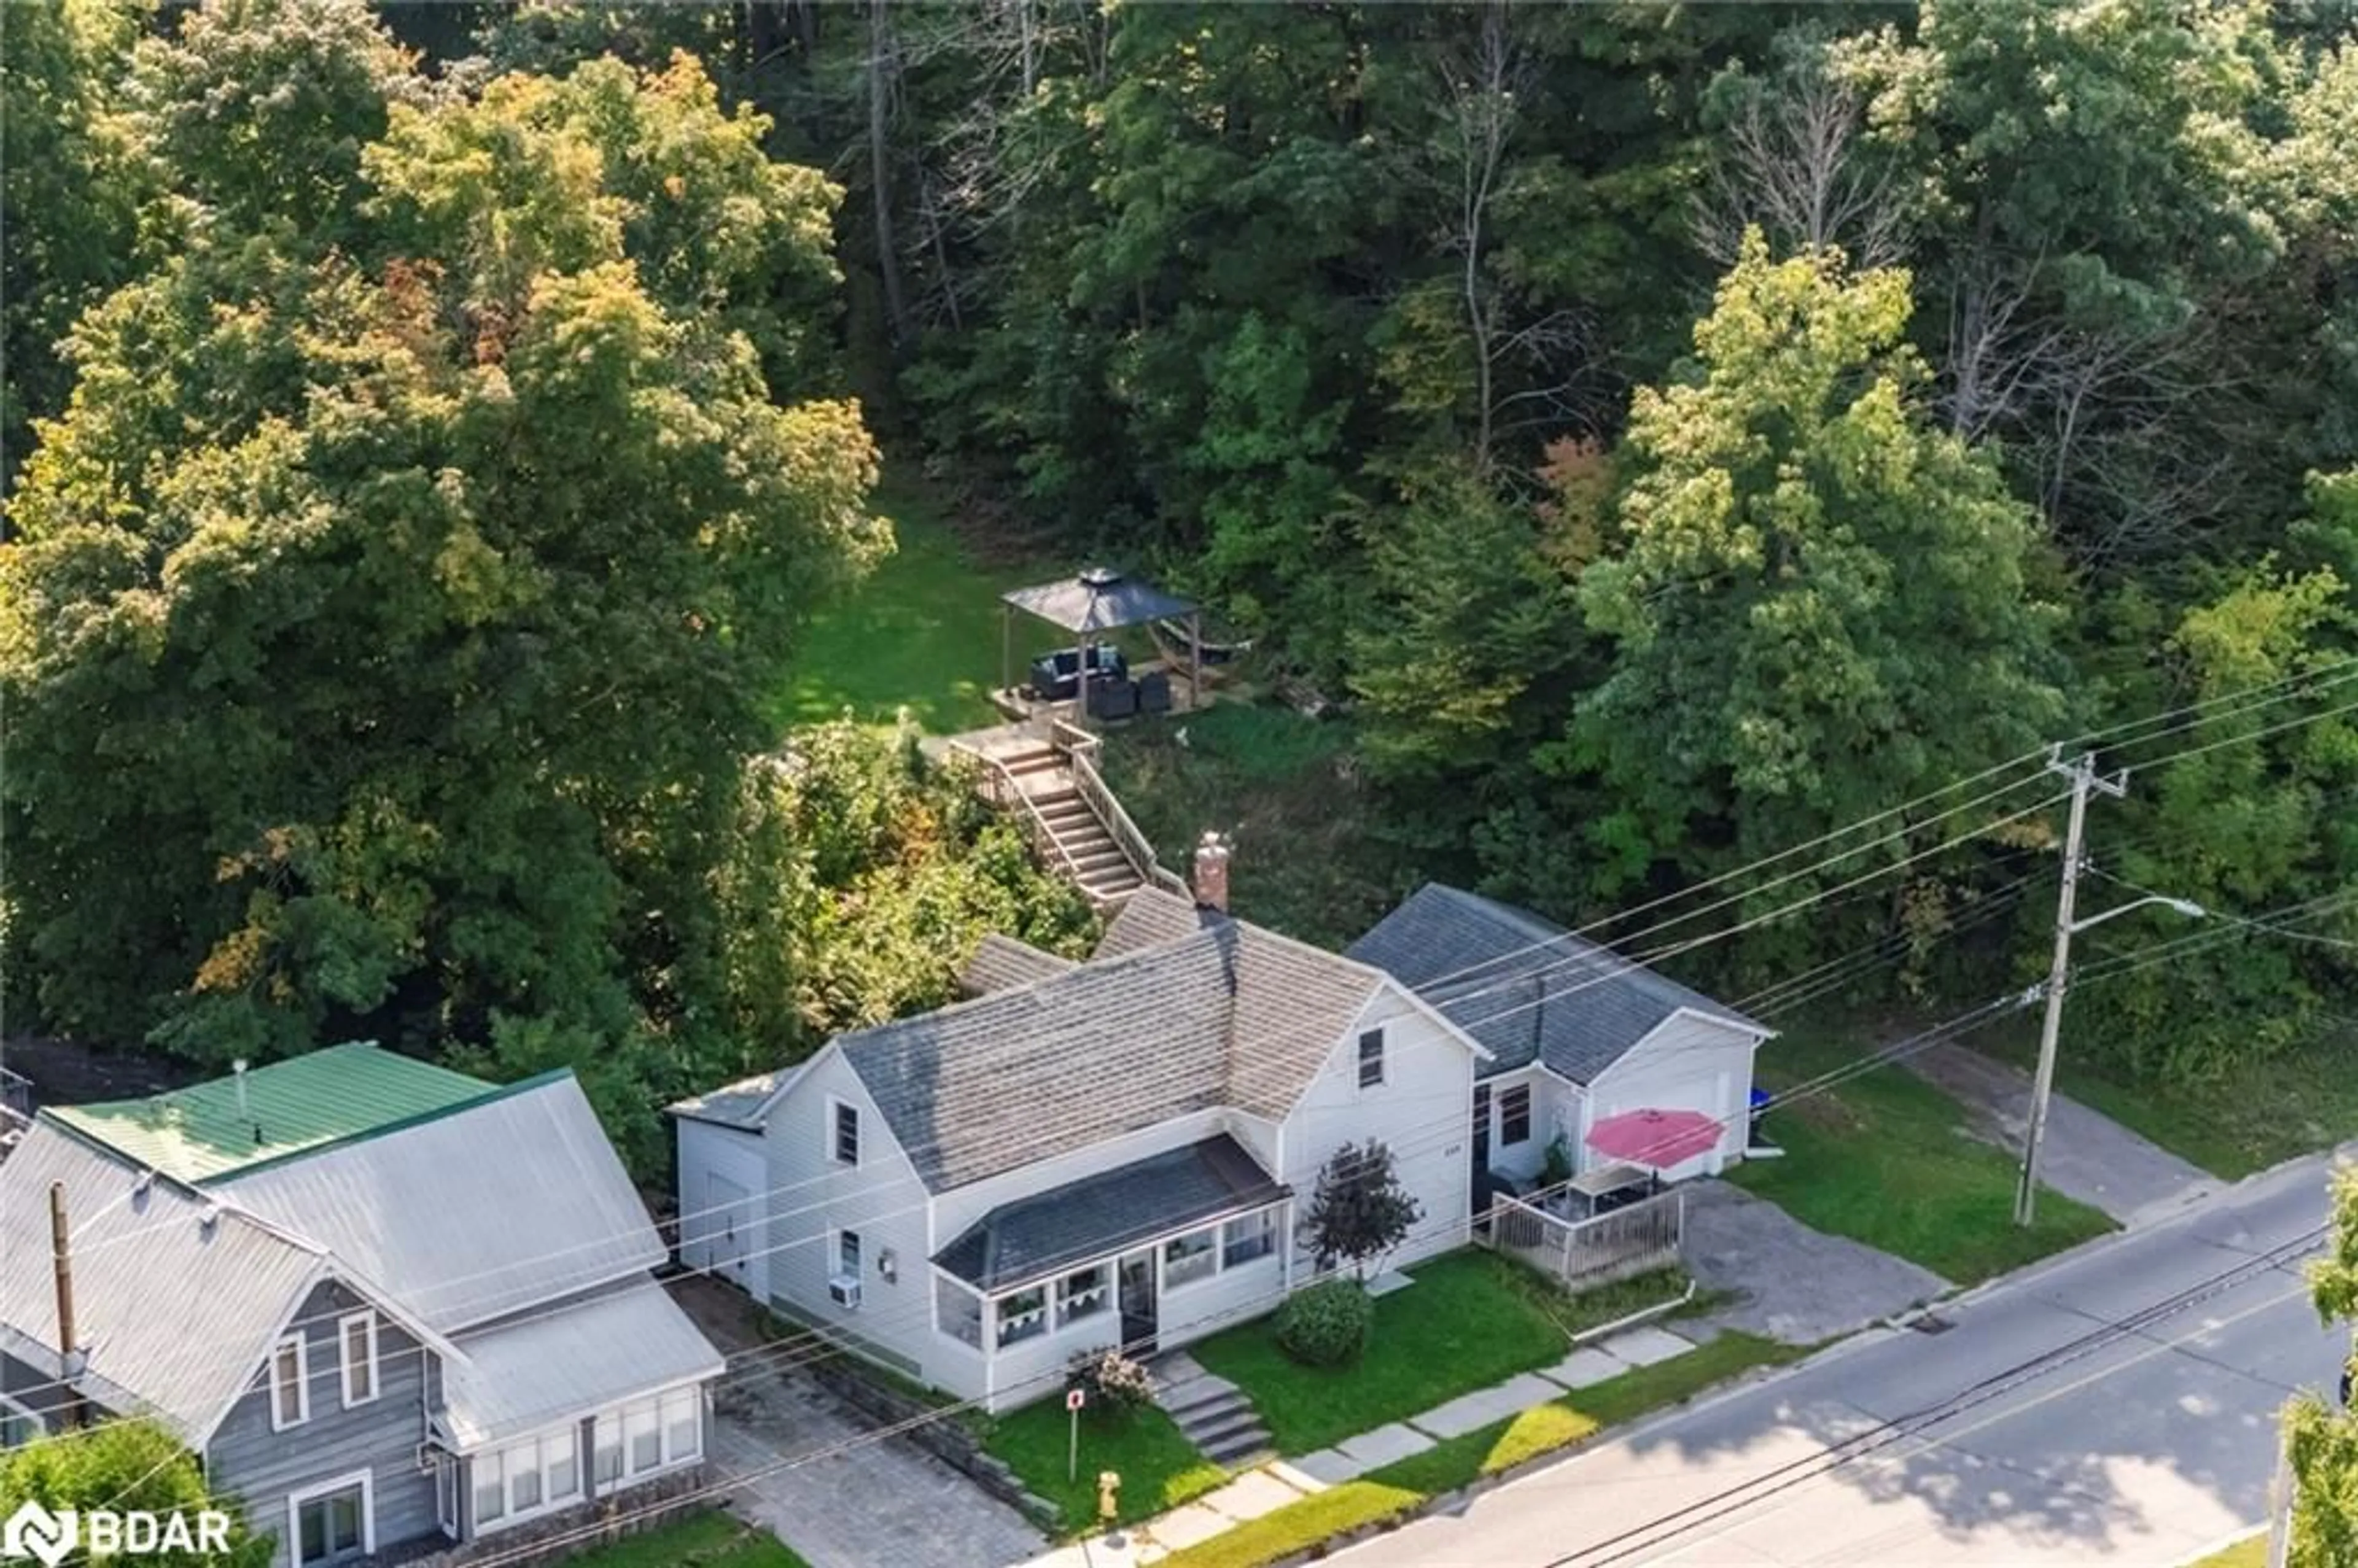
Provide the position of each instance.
(843, 1133)
(1515, 1115)
(847, 1256)
(356, 1339)
(528, 1478)
(958, 1312)
(290, 1384)
(1254, 1236)
(1371, 1059)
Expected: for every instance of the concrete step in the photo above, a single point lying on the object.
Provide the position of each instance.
(1238, 1426)
(1241, 1454)
(1183, 1402)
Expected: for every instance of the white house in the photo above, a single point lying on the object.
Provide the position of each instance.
(1082, 1155)
(1575, 1034)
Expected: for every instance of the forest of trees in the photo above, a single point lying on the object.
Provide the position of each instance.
(1673, 431)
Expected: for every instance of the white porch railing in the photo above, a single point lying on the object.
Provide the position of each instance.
(1635, 1240)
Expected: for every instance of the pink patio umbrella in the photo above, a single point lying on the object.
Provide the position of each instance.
(1659, 1139)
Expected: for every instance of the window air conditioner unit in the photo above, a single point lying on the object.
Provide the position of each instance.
(842, 1291)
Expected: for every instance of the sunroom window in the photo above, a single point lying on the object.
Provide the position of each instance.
(1192, 1257)
(1082, 1295)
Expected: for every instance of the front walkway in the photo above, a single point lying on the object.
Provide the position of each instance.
(2087, 1155)
(1272, 1485)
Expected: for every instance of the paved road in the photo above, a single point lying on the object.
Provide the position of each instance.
(2136, 1449)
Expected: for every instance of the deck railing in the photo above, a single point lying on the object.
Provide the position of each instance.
(1635, 1240)
(1000, 788)
(1079, 750)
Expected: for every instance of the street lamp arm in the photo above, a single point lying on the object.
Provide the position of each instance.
(2192, 910)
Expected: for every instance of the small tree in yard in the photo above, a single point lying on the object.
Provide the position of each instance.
(1360, 1211)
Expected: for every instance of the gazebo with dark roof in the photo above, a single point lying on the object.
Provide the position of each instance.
(1095, 601)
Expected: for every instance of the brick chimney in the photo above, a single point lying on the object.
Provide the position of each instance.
(1211, 878)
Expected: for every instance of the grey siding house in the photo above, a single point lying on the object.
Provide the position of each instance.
(392, 1308)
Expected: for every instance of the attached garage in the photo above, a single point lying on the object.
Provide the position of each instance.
(724, 1184)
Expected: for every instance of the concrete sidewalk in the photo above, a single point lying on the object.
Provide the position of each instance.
(1270, 1487)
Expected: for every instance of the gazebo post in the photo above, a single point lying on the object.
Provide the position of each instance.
(1195, 658)
(1006, 646)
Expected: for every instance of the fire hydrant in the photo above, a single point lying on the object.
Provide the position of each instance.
(1108, 1498)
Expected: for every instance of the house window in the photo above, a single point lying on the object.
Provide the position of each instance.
(1242, 1240)
(958, 1312)
(1192, 1257)
(18, 1424)
(290, 1393)
(1515, 1115)
(847, 1256)
(490, 1488)
(846, 1132)
(1481, 1110)
(683, 1419)
(1082, 1295)
(1022, 1315)
(331, 1524)
(560, 1462)
(638, 1440)
(1371, 1058)
(445, 1495)
(356, 1335)
(643, 1436)
(606, 1450)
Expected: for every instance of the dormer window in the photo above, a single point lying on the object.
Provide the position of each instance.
(1371, 1059)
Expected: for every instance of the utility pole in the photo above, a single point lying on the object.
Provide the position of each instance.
(61, 1260)
(2082, 775)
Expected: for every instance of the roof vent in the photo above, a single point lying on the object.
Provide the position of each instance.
(238, 1067)
(209, 1220)
(1099, 577)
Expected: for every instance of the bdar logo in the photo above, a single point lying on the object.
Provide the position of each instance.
(34, 1531)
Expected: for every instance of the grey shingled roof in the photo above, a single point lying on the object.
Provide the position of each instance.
(1152, 918)
(1227, 1014)
(1002, 962)
(1572, 1004)
(737, 1105)
(1100, 1214)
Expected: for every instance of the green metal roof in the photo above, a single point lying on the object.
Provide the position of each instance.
(290, 1108)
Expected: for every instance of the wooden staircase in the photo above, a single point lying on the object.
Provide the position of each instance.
(1047, 782)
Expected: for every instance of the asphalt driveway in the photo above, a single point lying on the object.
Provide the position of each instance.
(1793, 1284)
(816, 1475)
(2087, 1155)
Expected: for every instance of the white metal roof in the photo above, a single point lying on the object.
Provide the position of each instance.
(475, 1215)
(175, 1314)
(547, 1366)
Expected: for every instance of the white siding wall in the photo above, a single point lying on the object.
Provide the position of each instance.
(712, 1229)
(812, 1197)
(1422, 1110)
(1522, 1161)
(1688, 1064)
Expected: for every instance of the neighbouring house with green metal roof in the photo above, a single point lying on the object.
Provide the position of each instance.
(228, 1125)
(390, 1307)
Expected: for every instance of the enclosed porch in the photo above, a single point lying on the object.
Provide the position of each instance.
(1147, 1256)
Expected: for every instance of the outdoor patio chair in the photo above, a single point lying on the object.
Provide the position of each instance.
(1113, 699)
(1154, 692)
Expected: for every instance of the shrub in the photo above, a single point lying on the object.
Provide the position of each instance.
(1328, 1325)
(1115, 1384)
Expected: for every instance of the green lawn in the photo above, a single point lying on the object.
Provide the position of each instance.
(1399, 1490)
(1283, 787)
(1159, 1469)
(1469, 1321)
(1885, 1159)
(922, 632)
(699, 1540)
(2252, 1551)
